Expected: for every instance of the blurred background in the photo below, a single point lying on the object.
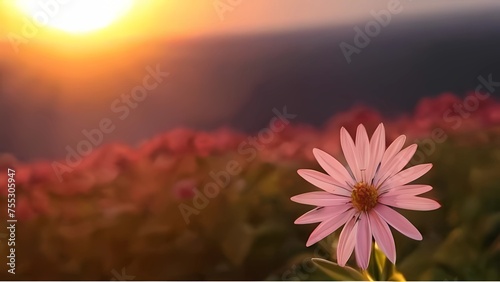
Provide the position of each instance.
(115, 114)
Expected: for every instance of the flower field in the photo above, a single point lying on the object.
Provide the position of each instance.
(191, 205)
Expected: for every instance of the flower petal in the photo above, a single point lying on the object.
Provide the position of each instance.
(377, 148)
(399, 222)
(396, 164)
(363, 149)
(350, 153)
(321, 199)
(391, 151)
(409, 202)
(329, 226)
(346, 241)
(394, 148)
(334, 168)
(323, 181)
(412, 189)
(383, 236)
(321, 214)
(363, 241)
(405, 176)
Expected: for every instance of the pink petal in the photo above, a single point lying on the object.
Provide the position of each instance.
(377, 148)
(328, 227)
(399, 222)
(321, 214)
(396, 164)
(333, 167)
(363, 242)
(391, 151)
(409, 202)
(383, 236)
(320, 198)
(412, 189)
(363, 149)
(323, 181)
(406, 176)
(394, 148)
(350, 153)
(346, 241)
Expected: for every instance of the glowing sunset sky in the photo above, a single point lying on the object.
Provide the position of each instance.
(258, 54)
(187, 18)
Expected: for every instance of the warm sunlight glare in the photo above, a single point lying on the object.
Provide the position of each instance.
(75, 16)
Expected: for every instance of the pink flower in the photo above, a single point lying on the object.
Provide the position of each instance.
(491, 114)
(225, 139)
(184, 189)
(178, 140)
(361, 197)
(430, 110)
(204, 143)
(357, 115)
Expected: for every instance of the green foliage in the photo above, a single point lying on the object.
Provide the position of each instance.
(340, 273)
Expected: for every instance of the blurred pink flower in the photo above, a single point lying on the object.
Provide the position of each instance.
(491, 114)
(79, 182)
(165, 162)
(178, 140)
(112, 156)
(23, 174)
(289, 149)
(281, 126)
(184, 189)
(149, 147)
(300, 139)
(225, 139)
(494, 115)
(282, 152)
(430, 112)
(105, 175)
(329, 142)
(42, 172)
(204, 143)
(23, 209)
(175, 141)
(3, 179)
(360, 197)
(351, 118)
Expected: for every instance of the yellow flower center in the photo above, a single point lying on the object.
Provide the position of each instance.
(364, 196)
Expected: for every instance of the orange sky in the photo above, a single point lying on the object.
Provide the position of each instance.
(173, 18)
(126, 44)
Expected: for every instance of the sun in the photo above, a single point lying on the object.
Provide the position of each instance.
(75, 16)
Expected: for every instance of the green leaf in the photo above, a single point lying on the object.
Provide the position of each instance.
(380, 268)
(338, 272)
(376, 267)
